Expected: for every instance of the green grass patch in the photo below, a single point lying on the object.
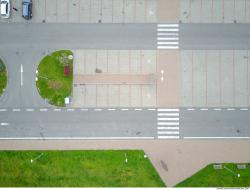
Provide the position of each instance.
(92, 168)
(3, 77)
(210, 177)
(52, 83)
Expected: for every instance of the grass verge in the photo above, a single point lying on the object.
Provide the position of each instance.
(225, 177)
(91, 168)
(52, 82)
(3, 77)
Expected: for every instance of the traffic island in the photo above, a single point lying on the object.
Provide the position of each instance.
(55, 77)
(3, 77)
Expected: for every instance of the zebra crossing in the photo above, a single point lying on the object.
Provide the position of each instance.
(168, 123)
(167, 36)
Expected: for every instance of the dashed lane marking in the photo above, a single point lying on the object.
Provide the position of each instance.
(173, 110)
(138, 109)
(98, 109)
(43, 109)
(3, 110)
(16, 110)
(84, 109)
(5, 124)
(124, 109)
(30, 109)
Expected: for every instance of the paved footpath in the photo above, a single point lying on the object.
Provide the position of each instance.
(174, 160)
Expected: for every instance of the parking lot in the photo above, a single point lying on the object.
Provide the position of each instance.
(112, 78)
(215, 78)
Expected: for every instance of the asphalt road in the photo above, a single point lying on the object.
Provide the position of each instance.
(119, 123)
(50, 124)
(214, 36)
(78, 36)
(121, 36)
(224, 123)
(26, 44)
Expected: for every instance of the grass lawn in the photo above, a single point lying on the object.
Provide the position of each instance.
(52, 83)
(210, 177)
(3, 77)
(92, 168)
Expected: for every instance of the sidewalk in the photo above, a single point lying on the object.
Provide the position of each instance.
(175, 160)
(115, 79)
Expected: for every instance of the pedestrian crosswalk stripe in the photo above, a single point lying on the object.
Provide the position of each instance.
(167, 30)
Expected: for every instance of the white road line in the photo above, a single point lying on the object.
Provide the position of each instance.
(29, 109)
(168, 128)
(204, 109)
(3, 110)
(167, 34)
(124, 109)
(167, 47)
(138, 109)
(168, 114)
(173, 110)
(216, 137)
(72, 138)
(244, 109)
(167, 43)
(151, 109)
(21, 71)
(230, 109)
(84, 109)
(57, 109)
(167, 25)
(5, 124)
(168, 137)
(217, 109)
(190, 109)
(168, 119)
(111, 109)
(16, 109)
(163, 38)
(98, 109)
(70, 109)
(167, 29)
(168, 123)
(168, 132)
(43, 109)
